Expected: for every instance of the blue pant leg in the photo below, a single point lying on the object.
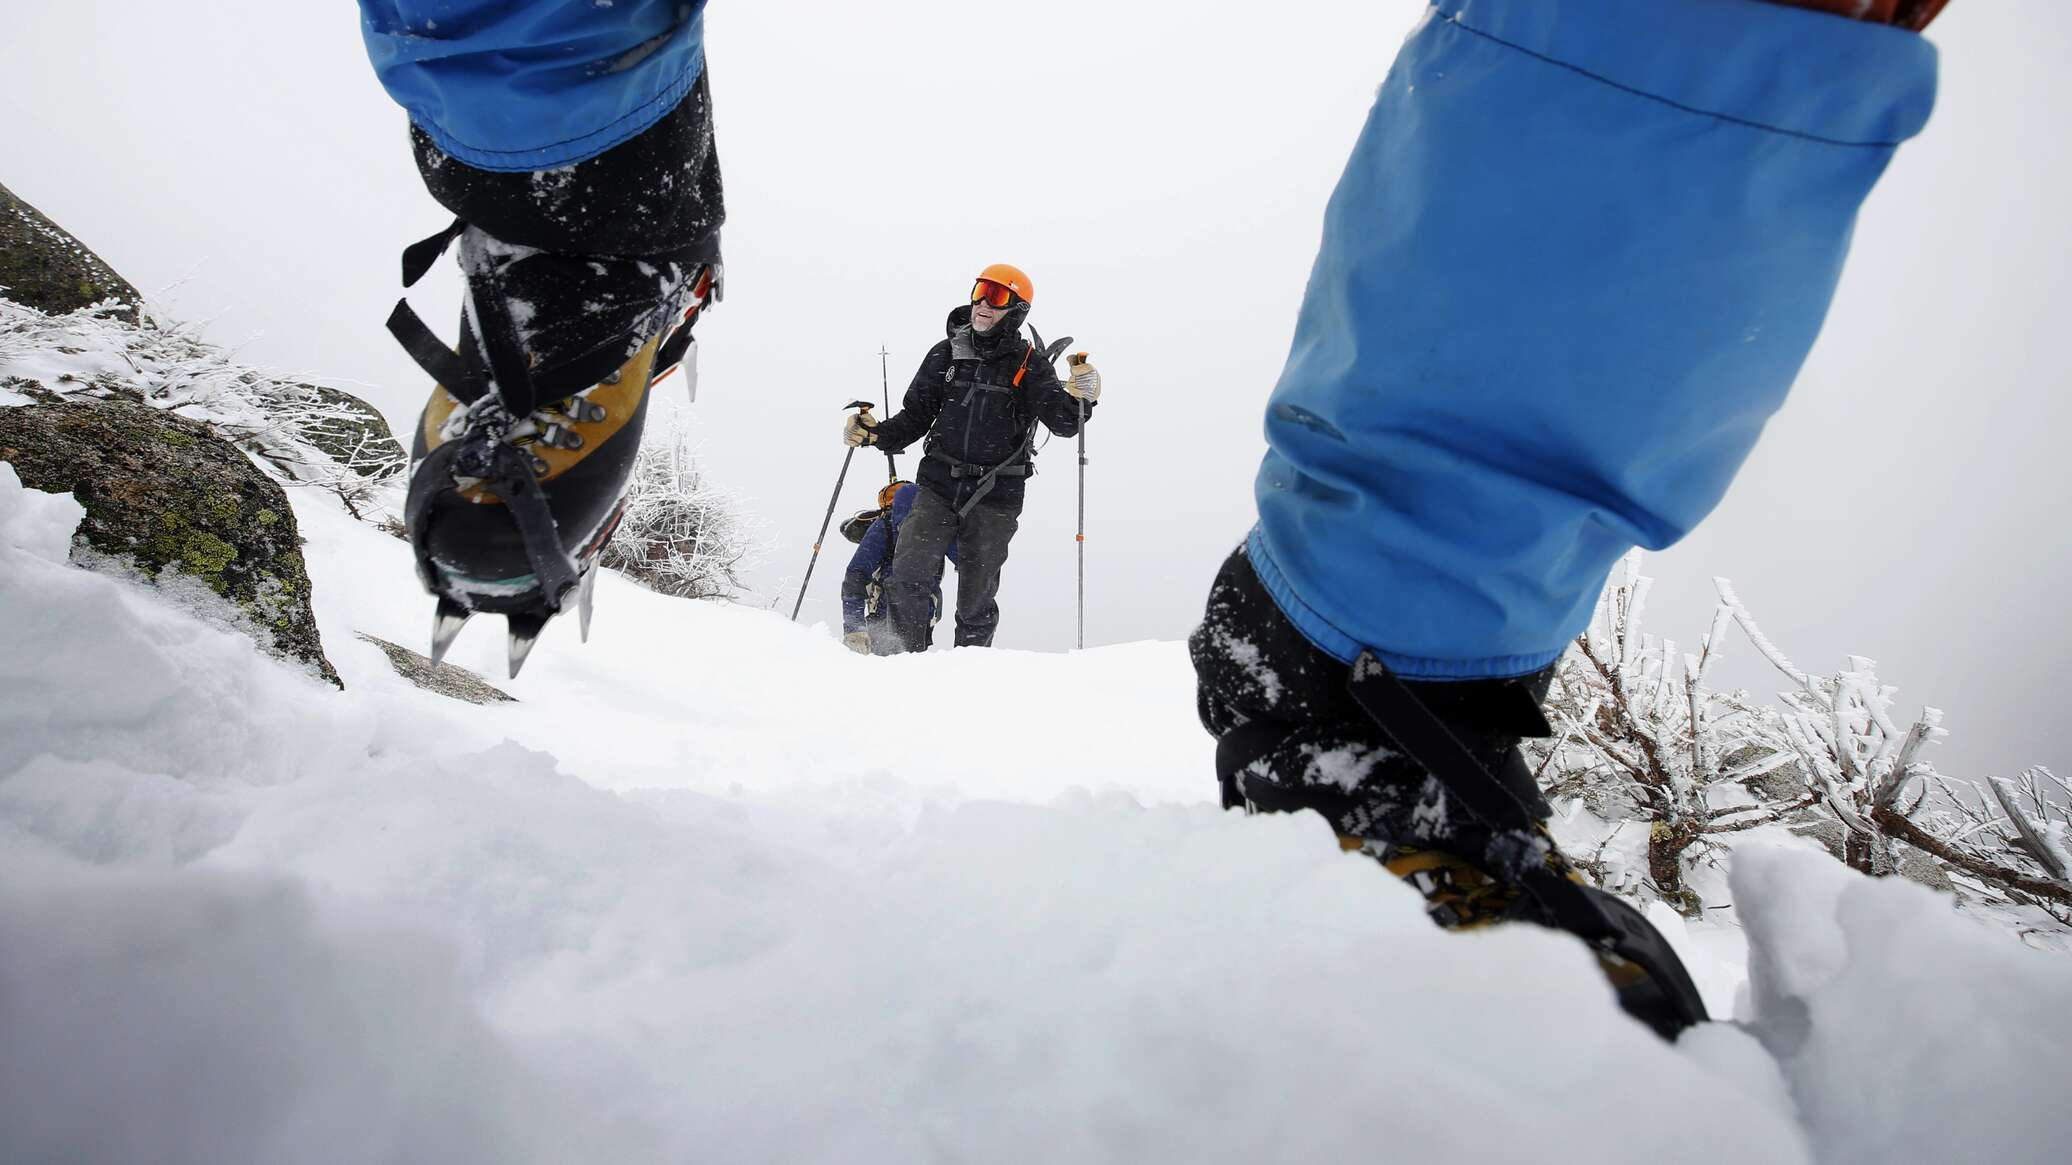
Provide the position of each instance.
(1574, 263)
(536, 84)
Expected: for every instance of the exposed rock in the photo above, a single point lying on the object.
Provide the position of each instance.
(336, 424)
(167, 494)
(350, 440)
(444, 678)
(1825, 830)
(43, 266)
(1788, 783)
(1784, 783)
(1914, 865)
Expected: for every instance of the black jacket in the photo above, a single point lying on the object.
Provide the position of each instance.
(965, 401)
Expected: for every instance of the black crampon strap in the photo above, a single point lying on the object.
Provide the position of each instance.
(1490, 800)
(1237, 749)
(419, 256)
(498, 346)
(494, 341)
(436, 467)
(508, 474)
(440, 362)
(1496, 803)
(1500, 806)
(520, 490)
(497, 337)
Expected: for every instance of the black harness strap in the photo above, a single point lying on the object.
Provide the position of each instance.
(1017, 465)
(974, 387)
(960, 470)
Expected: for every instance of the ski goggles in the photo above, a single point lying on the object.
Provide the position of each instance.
(992, 294)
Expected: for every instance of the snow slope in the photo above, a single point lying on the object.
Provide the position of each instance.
(716, 889)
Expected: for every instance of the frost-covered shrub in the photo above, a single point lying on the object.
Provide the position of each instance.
(2008, 841)
(680, 535)
(1640, 736)
(2014, 844)
(1854, 757)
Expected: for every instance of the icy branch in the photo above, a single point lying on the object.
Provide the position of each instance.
(1755, 634)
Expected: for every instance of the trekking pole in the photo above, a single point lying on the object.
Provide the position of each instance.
(885, 382)
(1081, 536)
(863, 406)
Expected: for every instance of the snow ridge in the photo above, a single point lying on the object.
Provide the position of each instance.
(716, 888)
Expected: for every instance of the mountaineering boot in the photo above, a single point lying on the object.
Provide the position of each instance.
(582, 285)
(1649, 979)
(1425, 778)
(522, 455)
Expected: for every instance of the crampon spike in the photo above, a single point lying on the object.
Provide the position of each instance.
(584, 593)
(446, 624)
(525, 629)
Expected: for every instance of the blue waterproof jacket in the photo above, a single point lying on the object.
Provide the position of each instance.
(873, 554)
(1575, 261)
(534, 84)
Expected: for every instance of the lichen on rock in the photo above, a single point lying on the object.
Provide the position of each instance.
(43, 266)
(164, 493)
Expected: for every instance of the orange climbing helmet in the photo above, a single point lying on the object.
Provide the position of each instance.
(890, 491)
(1001, 284)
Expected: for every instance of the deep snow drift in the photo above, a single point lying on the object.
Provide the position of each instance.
(716, 889)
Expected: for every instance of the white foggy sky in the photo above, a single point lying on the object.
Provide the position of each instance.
(1160, 171)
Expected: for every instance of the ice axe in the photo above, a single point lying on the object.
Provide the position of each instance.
(1052, 351)
(862, 406)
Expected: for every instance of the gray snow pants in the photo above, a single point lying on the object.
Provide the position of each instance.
(982, 536)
